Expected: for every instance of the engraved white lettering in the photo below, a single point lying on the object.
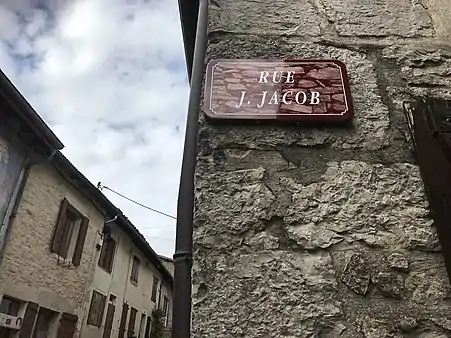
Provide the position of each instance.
(296, 97)
(284, 97)
(243, 93)
(263, 77)
(290, 77)
(315, 98)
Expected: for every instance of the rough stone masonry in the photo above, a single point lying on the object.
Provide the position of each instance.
(324, 232)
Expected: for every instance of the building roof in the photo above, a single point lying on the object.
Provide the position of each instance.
(78, 180)
(188, 17)
(164, 258)
(25, 112)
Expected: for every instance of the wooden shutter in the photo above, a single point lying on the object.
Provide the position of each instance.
(132, 321)
(110, 254)
(69, 223)
(102, 310)
(430, 126)
(59, 229)
(68, 326)
(109, 321)
(96, 309)
(123, 320)
(154, 289)
(93, 308)
(28, 320)
(135, 269)
(148, 324)
(80, 241)
(107, 254)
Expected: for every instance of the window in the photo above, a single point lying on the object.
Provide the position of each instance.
(70, 233)
(107, 254)
(68, 326)
(142, 323)
(96, 309)
(45, 320)
(148, 325)
(131, 322)
(9, 306)
(165, 310)
(154, 289)
(135, 269)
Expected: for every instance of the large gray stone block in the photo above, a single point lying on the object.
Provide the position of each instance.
(406, 18)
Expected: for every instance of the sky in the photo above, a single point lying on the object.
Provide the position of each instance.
(109, 78)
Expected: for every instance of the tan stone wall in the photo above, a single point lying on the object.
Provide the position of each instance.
(29, 270)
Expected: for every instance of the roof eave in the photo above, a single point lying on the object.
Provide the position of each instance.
(28, 114)
(74, 176)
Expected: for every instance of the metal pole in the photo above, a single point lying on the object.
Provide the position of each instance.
(181, 323)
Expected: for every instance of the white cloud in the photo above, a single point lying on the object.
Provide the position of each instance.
(109, 78)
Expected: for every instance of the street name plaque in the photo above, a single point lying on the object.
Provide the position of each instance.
(286, 90)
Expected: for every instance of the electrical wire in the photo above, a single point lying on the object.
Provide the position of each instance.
(101, 187)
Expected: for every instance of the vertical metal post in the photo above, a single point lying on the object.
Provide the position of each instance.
(181, 323)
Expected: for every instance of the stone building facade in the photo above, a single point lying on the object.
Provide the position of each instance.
(130, 282)
(323, 232)
(54, 243)
(32, 272)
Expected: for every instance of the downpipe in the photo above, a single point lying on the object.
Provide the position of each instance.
(181, 310)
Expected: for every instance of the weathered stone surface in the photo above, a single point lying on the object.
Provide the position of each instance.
(322, 232)
(406, 323)
(398, 261)
(265, 16)
(421, 66)
(379, 18)
(239, 199)
(344, 204)
(357, 274)
(373, 328)
(429, 288)
(390, 284)
(254, 291)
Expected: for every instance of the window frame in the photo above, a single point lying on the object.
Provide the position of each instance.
(107, 260)
(64, 236)
(154, 292)
(132, 321)
(165, 310)
(102, 302)
(134, 275)
(12, 304)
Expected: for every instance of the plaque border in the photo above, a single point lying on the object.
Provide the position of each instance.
(342, 117)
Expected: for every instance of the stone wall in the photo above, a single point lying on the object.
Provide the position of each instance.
(323, 232)
(29, 271)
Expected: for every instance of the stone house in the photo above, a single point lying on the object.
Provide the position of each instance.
(50, 253)
(36, 284)
(57, 254)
